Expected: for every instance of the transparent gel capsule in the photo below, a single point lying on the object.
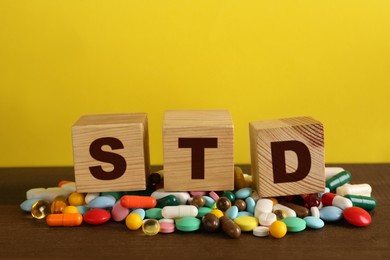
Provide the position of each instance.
(280, 214)
(151, 227)
(40, 209)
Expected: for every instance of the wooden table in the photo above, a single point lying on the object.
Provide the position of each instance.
(24, 237)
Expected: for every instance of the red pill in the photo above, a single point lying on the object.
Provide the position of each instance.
(97, 216)
(133, 202)
(64, 220)
(357, 216)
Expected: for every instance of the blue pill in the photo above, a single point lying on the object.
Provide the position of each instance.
(101, 202)
(209, 202)
(250, 204)
(331, 213)
(27, 204)
(313, 222)
(243, 193)
(140, 212)
(82, 209)
(232, 212)
(244, 213)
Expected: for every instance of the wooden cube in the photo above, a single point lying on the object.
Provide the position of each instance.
(111, 152)
(198, 150)
(287, 156)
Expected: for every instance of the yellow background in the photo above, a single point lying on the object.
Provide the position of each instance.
(258, 59)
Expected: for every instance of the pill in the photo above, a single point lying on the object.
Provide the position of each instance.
(166, 227)
(169, 200)
(195, 193)
(354, 189)
(133, 201)
(97, 216)
(48, 194)
(332, 171)
(294, 224)
(315, 212)
(119, 213)
(209, 202)
(239, 180)
(154, 213)
(240, 204)
(331, 199)
(82, 209)
(314, 222)
(232, 212)
(62, 183)
(140, 212)
(116, 194)
(70, 209)
(90, 196)
(229, 227)
(64, 220)
(179, 211)
(250, 204)
(246, 223)
(151, 227)
(40, 209)
(27, 204)
(181, 196)
(223, 204)
(289, 212)
(214, 195)
(133, 221)
(230, 195)
(102, 202)
(243, 193)
(278, 229)
(210, 222)
(254, 195)
(57, 206)
(280, 214)
(263, 206)
(217, 213)
(367, 203)
(266, 219)
(187, 224)
(203, 211)
(261, 231)
(198, 201)
(357, 216)
(244, 213)
(331, 213)
(299, 210)
(169, 220)
(338, 180)
(69, 186)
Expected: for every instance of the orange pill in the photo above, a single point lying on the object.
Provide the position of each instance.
(64, 220)
(132, 202)
(62, 183)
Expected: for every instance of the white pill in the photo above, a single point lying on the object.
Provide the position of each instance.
(91, 196)
(332, 171)
(179, 211)
(263, 206)
(261, 231)
(315, 212)
(266, 219)
(354, 189)
(70, 186)
(289, 212)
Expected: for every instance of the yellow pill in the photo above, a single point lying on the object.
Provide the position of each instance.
(70, 209)
(246, 223)
(133, 221)
(274, 201)
(218, 213)
(76, 199)
(278, 229)
(239, 180)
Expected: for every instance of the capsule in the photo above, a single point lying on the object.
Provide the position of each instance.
(131, 201)
(364, 202)
(181, 196)
(170, 200)
(64, 220)
(229, 227)
(332, 171)
(331, 199)
(179, 211)
(354, 189)
(300, 211)
(338, 180)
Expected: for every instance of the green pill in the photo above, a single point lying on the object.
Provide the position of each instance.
(170, 200)
(364, 202)
(153, 213)
(203, 211)
(294, 224)
(338, 180)
(188, 224)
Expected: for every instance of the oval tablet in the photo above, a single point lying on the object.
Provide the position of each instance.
(357, 216)
(261, 231)
(331, 213)
(188, 224)
(294, 224)
(97, 216)
(246, 223)
(314, 222)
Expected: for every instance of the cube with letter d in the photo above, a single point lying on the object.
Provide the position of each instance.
(287, 156)
(111, 152)
(198, 150)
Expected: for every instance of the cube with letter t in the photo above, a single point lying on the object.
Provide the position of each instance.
(111, 152)
(198, 150)
(287, 156)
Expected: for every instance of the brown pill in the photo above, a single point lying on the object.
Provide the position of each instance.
(241, 205)
(299, 210)
(210, 222)
(223, 204)
(229, 227)
(197, 201)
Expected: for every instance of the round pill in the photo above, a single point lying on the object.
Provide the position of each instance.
(223, 204)
(246, 223)
(166, 227)
(70, 209)
(331, 213)
(314, 222)
(261, 231)
(210, 222)
(278, 229)
(357, 216)
(188, 224)
(168, 220)
(266, 219)
(198, 201)
(151, 227)
(230, 195)
(40, 209)
(76, 199)
(294, 224)
(97, 216)
(133, 221)
(217, 213)
(241, 205)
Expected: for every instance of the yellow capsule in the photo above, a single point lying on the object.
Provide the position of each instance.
(218, 213)
(70, 209)
(76, 199)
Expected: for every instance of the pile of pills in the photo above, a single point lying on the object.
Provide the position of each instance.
(157, 211)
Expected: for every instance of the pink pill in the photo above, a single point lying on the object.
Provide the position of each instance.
(119, 213)
(195, 193)
(214, 195)
(166, 227)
